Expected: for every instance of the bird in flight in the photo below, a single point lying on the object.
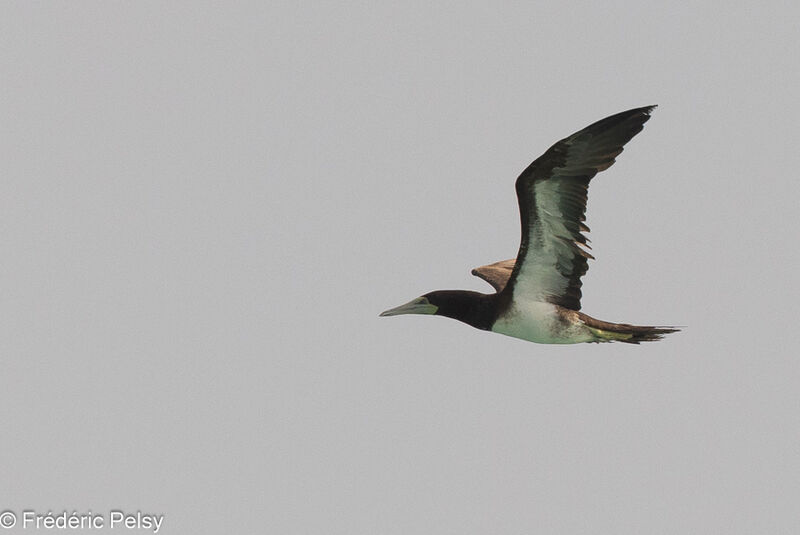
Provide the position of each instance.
(538, 294)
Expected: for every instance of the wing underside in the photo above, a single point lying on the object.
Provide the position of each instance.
(552, 195)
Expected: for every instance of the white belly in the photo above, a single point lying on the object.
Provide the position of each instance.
(539, 322)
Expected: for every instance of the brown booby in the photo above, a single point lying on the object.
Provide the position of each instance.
(538, 294)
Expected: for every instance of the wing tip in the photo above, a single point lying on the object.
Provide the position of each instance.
(648, 110)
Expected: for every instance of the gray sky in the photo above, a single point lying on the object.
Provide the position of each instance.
(204, 209)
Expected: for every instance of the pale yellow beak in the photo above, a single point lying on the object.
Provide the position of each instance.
(421, 305)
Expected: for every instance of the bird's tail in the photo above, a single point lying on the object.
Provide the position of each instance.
(622, 332)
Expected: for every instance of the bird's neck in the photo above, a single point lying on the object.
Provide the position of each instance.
(473, 308)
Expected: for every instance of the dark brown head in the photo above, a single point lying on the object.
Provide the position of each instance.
(473, 308)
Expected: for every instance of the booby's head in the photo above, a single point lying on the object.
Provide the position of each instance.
(474, 308)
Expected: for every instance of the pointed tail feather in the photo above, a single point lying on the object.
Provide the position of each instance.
(623, 332)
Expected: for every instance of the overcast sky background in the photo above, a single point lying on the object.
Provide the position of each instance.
(203, 209)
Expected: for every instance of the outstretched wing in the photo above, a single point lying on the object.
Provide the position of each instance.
(496, 274)
(552, 205)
